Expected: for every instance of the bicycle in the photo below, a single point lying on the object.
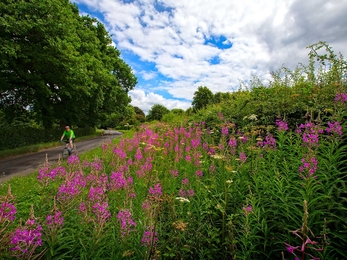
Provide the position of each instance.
(67, 152)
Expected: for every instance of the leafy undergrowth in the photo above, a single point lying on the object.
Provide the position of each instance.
(188, 193)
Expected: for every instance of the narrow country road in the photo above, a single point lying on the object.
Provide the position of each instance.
(25, 164)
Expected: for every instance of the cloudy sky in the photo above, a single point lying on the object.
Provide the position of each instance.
(174, 46)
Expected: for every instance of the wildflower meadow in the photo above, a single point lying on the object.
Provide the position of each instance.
(191, 192)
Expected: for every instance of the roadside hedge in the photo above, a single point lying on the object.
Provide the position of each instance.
(23, 136)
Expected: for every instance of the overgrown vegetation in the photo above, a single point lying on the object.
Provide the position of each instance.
(190, 193)
(307, 93)
(257, 174)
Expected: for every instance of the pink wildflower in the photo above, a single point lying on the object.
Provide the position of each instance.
(55, 220)
(149, 238)
(7, 212)
(126, 222)
(174, 173)
(73, 159)
(334, 128)
(282, 125)
(199, 173)
(243, 157)
(155, 191)
(341, 97)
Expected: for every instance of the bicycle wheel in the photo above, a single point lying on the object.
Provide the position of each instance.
(65, 153)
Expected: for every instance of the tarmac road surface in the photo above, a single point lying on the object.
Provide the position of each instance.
(24, 164)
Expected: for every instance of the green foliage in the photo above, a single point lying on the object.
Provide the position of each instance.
(249, 208)
(53, 60)
(227, 191)
(307, 92)
(202, 97)
(220, 97)
(157, 112)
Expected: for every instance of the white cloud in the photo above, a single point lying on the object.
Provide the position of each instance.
(145, 101)
(264, 35)
(148, 75)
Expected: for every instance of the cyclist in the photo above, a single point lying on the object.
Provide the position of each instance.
(69, 137)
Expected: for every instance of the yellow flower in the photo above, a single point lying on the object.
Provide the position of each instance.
(128, 253)
(180, 225)
(218, 156)
(229, 168)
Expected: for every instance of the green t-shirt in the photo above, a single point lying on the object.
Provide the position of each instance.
(67, 134)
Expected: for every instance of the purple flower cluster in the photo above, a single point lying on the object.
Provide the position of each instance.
(186, 193)
(95, 193)
(334, 128)
(7, 212)
(126, 222)
(120, 153)
(225, 130)
(73, 159)
(101, 211)
(44, 173)
(232, 142)
(247, 209)
(243, 138)
(195, 142)
(300, 250)
(26, 239)
(71, 188)
(341, 97)
(149, 238)
(174, 173)
(185, 181)
(310, 133)
(55, 220)
(309, 165)
(118, 181)
(269, 142)
(96, 165)
(138, 154)
(242, 157)
(155, 191)
(282, 125)
(199, 173)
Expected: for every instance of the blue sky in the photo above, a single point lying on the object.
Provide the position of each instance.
(174, 46)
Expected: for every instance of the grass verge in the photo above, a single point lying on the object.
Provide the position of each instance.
(21, 185)
(38, 147)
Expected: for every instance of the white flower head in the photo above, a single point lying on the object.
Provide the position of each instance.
(181, 199)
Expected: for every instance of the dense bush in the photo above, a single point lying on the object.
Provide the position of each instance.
(22, 136)
(306, 93)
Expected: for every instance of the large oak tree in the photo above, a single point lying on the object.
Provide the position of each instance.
(58, 65)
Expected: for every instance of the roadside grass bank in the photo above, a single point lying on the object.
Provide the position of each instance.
(38, 147)
(23, 186)
(188, 193)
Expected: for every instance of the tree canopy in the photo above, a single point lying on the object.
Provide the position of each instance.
(157, 112)
(202, 97)
(58, 66)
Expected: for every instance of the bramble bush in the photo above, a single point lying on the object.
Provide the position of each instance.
(191, 193)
